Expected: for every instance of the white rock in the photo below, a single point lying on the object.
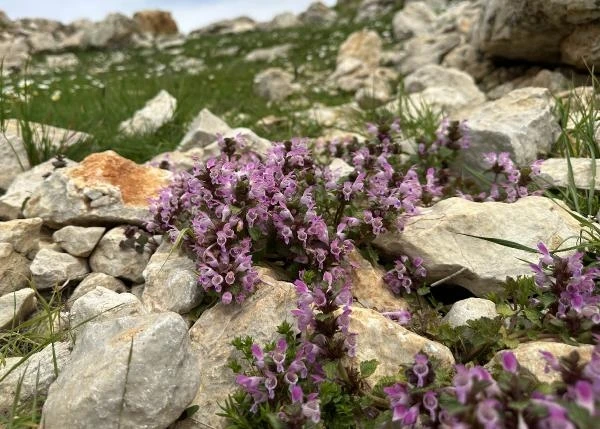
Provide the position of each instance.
(171, 281)
(269, 54)
(203, 130)
(374, 93)
(94, 280)
(470, 309)
(52, 269)
(102, 304)
(14, 269)
(435, 235)
(77, 240)
(14, 53)
(398, 348)
(116, 30)
(131, 372)
(275, 84)
(34, 375)
(555, 172)
(109, 258)
(414, 19)
(22, 187)
(217, 327)
(157, 112)
(284, 20)
(23, 234)
(13, 158)
(427, 49)
(318, 14)
(16, 306)
(521, 123)
(358, 57)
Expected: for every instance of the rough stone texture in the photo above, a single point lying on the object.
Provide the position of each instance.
(132, 372)
(14, 53)
(155, 113)
(363, 47)
(521, 123)
(217, 327)
(435, 235)
(171, 281)
(391, 344)
(528, 355)
(373, 9)
(52, 269)
(77, 240)
(22, 187)
(426, 49)
(37, 374)
(116, 30)
(109, 258)
(227, 26)
(102, 304)
(104, 188)
(14, 269)
(274, 84)
(155, 22)
(269, 54)
(16, 306)
(370, 290)
(375, 92)
(203, 130)
(283, 20)
(467, 58)
(470, 309)
(94, 280)
(414, 19)
(23, 234)
(318, 14)
(555, 172)
(13, 156)
(446, 89)
(541, 30)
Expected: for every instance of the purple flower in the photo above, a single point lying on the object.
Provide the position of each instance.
(311, 409)
(421, 369)
(487, 414)
(509, 362)
(430, 402)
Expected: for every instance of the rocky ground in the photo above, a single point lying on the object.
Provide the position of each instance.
(105, 325)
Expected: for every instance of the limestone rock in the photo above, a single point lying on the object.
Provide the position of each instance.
(156, 112)
(398, 347)
(373, 9)
(23, 185)
(529, 357)
(435, 235)
(274, 84)
(130, 372)
(94, 280)
(203, 130)
(227, 26)
(415, 19)
(13, 158)
(23, 234)
(16, 306)
(109, 258)
(555, 172)
(14, 269)
(318, 14)
(35, 374)
(283, 21)
(116, 30)
(521, 123)
(370, 290)
(446, 89)
(470, 309)
(77, 240)
(269, 54)
(374, 93)
(52, 269)
(541, 31)
(102, 304)
(171, 281)
(155, 22)
(14, 53)
(104, 188)
(217, 327)
(427, 49)
(362, 48)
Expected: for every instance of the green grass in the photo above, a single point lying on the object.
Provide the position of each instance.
(96, 101)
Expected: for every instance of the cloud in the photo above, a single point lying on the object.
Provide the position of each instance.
(189, 14)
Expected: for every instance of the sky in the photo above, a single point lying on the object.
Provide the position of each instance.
(189, 14)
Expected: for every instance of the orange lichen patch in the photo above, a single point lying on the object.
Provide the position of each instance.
(138, 183)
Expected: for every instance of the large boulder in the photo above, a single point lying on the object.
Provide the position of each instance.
(318, 14)
(130, 372)
(547, 31)
(114, 31)
(437, 237)
(521, 123)
(414, 19)
(104, 188)
(274, 84)
(217, 327)
(14, 53)
(555, 172)
(156, 22)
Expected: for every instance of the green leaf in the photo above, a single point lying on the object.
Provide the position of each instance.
(368, 367)
(255, 234)
(533, 316)
(501, 242)
(504, 310)
(190, 411)
(331, 370)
